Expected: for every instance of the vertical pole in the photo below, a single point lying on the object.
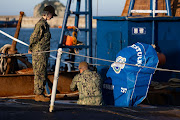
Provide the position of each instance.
(86, 26)
(77, 15)
(90, 30)
(153, 22)
(153, 32)
(66, 14)
(151, 7)
(55, 81)
(154, 7)
(168, 8)
(97, 8)
(12, 50)
(13, 46)
(131, 6)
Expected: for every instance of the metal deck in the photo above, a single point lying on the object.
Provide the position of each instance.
(12, 109)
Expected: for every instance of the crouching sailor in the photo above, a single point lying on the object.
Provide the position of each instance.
(89, 85)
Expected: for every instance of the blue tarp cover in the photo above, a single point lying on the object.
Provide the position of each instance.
(127, 84)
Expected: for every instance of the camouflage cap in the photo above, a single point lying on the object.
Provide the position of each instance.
(50, 9)
(83, 65)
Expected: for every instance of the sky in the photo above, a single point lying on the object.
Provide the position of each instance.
(100, 7)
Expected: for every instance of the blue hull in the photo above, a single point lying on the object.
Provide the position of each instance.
(8, 23)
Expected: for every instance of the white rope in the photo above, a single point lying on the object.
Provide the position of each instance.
(15, 39)
(88, 63)
(160, 69)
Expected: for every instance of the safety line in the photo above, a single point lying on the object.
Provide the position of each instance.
(9, 55)
(159, 69)
(88, 63)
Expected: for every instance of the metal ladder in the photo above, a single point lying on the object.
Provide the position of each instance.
(87, 29)
(152, 11)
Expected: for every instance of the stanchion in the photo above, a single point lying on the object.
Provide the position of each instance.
(55, 81)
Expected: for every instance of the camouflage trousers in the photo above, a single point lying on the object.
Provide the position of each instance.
(40, 62)
(95, 100)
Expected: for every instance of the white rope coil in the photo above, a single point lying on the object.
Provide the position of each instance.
(3, 60)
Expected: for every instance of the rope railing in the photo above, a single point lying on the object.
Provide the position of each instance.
(19, 54)
(159, 69)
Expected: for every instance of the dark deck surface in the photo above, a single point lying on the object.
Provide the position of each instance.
(12, 109)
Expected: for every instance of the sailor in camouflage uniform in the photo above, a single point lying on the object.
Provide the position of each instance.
(89, 85)
(40, 41)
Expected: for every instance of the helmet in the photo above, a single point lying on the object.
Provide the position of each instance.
(50, 9)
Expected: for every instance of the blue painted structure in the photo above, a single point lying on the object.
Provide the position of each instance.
(115, 33)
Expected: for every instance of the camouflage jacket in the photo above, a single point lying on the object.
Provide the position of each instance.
(89, 85)
(40, 38)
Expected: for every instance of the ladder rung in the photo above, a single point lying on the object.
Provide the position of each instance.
(148, 11)
(160, 11)
(83, 29)
(78, 46)
(141, 11)
(80, 29)
(79, 13)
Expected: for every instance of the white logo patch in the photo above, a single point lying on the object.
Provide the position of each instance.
(123, 90)
(118, 65)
